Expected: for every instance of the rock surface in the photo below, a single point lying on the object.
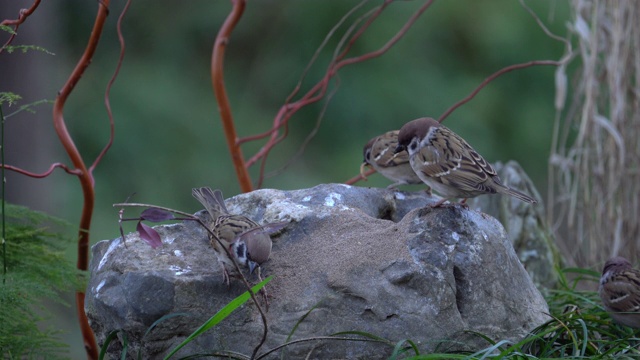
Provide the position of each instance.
(352, 259)
(525, 225)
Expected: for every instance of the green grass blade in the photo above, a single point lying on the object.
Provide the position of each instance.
(112, 335)
(220, 315)
(157, 322)
(366, 335)
(295, 327)
(401, 349)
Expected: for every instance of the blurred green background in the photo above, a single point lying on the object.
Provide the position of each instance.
(168, 136)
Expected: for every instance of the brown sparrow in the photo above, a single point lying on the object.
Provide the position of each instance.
(620, 291)
(448, 164)
(248, 242)
(379, 154)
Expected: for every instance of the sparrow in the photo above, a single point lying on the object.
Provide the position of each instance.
(619, 291)
(379, 154)
(247, 242)
(448, 164)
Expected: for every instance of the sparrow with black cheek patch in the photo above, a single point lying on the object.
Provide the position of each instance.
(379, 154)
(448, 164)
(620, 291)
(248, 242)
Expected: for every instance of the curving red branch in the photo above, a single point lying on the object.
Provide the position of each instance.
(359, 177)
(288, 109)
(217, 79)
(491, 78)
(107, 102)
(85, 176)
(319, 90)
(24, 14)
(44, 174)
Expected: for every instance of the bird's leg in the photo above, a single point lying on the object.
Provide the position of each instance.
(263, 291)
(463, 203)
(439, 203)
(225, 273)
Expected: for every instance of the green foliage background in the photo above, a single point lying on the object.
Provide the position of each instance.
(37, 272)
(168, 134)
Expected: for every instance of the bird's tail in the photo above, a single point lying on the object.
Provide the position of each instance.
(517, 194)
(212, 200)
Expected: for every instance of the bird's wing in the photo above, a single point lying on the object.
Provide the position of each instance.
(383, 149)
(451, 160)
(622, 291)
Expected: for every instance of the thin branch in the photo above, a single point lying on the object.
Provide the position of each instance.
(318, 87)
(85, 177)
(107, 102)
(24, 14)
(361, 30)
(127, 204)
(304, 144)
(491, 78)
(359, 177)
(217, 79)
(391, 42)
(44, 174)
(317, 52)
(319, 90)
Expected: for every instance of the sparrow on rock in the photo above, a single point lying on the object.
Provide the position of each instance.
(448, 164)
(620, 291)
(248, 242)
(379, 154)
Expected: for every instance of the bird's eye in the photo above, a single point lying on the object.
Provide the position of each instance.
(413, 146)
(367, 155)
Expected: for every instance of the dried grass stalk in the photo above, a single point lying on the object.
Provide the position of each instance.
(595, 158)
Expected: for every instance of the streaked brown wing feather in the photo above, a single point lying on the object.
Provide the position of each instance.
(383, 151)
(623, 292)
(447, 155)
(229, 227)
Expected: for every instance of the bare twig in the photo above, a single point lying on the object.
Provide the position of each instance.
(24, 14)
(359, 177)
(315, 57)
(491, 78)
(44, 174)
(318, 91)
(217, 79)
(107, 102)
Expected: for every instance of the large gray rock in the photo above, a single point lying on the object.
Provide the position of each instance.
(358, 259)
(525, 225)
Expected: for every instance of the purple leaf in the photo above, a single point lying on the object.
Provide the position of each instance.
(156, 215)
(149, 235)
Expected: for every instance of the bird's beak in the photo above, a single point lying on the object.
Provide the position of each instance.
(252, 266)
(398, 149)
(364, 163)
